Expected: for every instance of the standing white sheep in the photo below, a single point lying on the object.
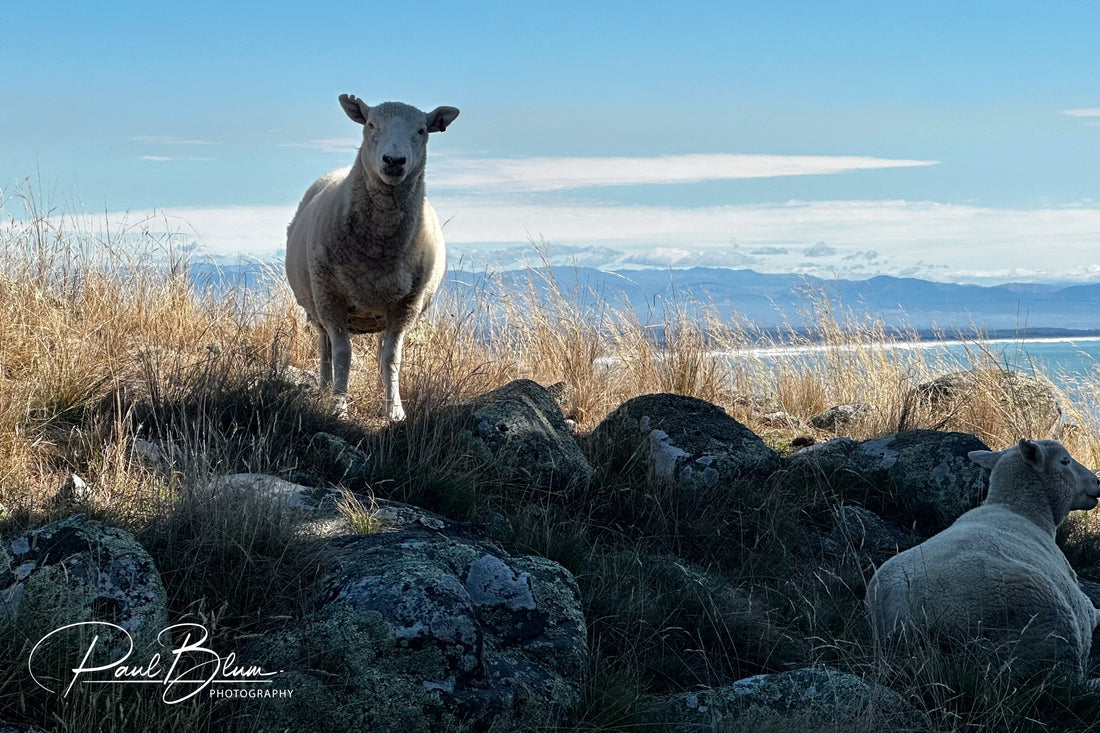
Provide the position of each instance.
(997, 573)
(365, 251)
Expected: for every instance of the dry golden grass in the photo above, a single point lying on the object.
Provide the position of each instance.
(87, 320)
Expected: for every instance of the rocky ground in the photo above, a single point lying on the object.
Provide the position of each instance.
(728, 573)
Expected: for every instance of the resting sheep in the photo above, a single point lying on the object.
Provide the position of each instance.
(996, 573)
(365, 251)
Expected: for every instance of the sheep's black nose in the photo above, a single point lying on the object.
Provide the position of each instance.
(392, 161)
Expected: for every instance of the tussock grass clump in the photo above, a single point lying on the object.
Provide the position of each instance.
(148, 386)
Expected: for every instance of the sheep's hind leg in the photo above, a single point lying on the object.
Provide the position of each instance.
(324, 352)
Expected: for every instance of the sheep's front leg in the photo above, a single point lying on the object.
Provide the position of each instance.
(341, 359)
(389, 363)
(340, 347)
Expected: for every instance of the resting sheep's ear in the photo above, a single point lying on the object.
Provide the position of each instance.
(985, 458)
(355, 108)
(440, 117)
(1031, 451)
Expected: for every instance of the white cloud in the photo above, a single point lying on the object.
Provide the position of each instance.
(1091, 112)
(528, 175)
(683, 257)
(942, 240)
(473, 197)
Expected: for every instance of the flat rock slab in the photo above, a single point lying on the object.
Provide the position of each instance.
(317, 509)
(815, 698)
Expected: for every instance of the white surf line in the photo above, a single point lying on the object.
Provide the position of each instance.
(767, 351)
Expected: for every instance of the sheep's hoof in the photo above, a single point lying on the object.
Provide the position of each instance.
(396, 413)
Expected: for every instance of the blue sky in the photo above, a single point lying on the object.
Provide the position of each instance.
(954, 141)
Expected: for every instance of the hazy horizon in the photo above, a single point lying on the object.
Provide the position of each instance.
(956, 143)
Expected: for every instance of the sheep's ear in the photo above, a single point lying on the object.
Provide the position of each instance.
(985, 458)
(440, 117)
(1030, 450)
(355, 108)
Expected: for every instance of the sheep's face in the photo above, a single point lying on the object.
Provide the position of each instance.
(1067, 483)
(1075, 480)
(395, 136)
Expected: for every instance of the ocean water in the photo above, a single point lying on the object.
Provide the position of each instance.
(1073, 364)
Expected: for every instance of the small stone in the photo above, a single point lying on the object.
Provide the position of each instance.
(76, 489)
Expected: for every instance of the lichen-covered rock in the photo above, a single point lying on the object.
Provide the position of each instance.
(76, 570)
(920, 478)
(1030, 402)
(422, 631)
(680, 438)
(519, 430)
(815, 698)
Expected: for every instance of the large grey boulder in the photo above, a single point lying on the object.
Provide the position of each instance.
(520, 432)
(919, 479)
(680, 438)
(76, 570)
(815, 698)
(419, 630)
(1030, 402)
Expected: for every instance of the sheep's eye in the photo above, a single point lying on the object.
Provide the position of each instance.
(370, 125)
(420, 131)
(1065, 461)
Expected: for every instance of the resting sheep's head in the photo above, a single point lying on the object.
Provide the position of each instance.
(395, 136)
(1044, 466)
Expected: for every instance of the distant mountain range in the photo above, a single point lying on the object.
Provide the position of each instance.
(768, 302)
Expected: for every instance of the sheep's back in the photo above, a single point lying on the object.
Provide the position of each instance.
(992, 572)
(317, 208)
